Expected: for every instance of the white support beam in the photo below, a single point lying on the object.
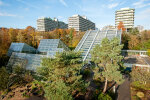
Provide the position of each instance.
(83, 40)
(91, 46)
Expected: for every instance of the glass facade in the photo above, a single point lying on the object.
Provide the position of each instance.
(47, 48)
(20, 47)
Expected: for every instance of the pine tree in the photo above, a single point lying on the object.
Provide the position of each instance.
(65, 67)
(57, 90)
(107, 57)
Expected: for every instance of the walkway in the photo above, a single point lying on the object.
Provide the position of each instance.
(124, 91)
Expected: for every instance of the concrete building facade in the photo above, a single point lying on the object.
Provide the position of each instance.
(80, 23)
(125, 15)
(48, 24)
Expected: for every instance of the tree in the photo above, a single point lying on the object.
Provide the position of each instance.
(21, 37)
(4, 78)
(12, 34)
(108, 58)
(121, 26)
(30, 35)
(125, 40)
(57, 90)
(133, 42)
(134, 31)
(139, 75)
(65, 67)
(71, 36)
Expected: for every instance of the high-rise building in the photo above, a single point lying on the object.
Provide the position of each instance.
(80, 23)
(125, 15)
(47, 24)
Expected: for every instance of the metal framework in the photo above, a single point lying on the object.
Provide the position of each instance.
(92, 38)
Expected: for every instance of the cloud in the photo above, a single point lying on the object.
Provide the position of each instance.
(111, 0)
(143, 15)
(7, 14)
(141, 4)
(63, 2)
(1, 3)
(110, 6)
(28, 4)
(26, 9)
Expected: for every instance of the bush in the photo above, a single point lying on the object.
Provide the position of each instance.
(140, 94)
(96, 94)
(141, 76)
(86, 72)
(104, 97)
(57, 90)
(4, 78)
(20, 76)
(19, 70)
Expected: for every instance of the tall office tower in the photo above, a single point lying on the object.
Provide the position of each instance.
(48, 24)
(80, 23)
(125, 15)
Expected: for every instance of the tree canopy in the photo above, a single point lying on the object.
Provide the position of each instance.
(64, 68)
(108, 58)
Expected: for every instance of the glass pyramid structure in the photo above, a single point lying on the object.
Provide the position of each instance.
(46, 48)
(92, 38)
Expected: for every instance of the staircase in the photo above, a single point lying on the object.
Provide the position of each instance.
(92, 38)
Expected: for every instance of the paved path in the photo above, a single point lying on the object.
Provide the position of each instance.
(124, 91)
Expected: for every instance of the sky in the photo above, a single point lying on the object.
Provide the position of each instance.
(23, 13)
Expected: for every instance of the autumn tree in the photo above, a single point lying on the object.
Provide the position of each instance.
(30, 35)
(21, 37)
(145, 35)
(121, 26)
(108, 58)
(141, 76)
(12, 34)
(133, 42)
(71, 36)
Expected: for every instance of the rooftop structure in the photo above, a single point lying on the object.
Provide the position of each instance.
(92, 38)
(51, 46)
(47, 24)
(109, 27)
(125, 15)
(20, 47)
(80, 23)
(47, 48)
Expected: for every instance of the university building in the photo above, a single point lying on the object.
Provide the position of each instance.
(47, 24)
(125, 15)
(80, 23)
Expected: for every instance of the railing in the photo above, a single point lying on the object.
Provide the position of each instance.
(134, 52)
(82, 41)
(138, 65)
(90, 46)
